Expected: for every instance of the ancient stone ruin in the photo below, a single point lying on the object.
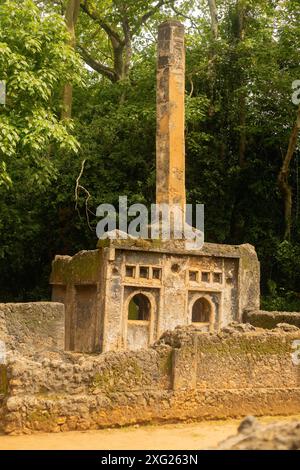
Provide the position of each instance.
(126, 293)
(144, 331)
(187, 375)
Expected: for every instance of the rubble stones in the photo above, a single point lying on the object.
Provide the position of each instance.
(255, 436)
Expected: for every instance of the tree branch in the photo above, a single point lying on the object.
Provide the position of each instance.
(71, 17)
(97, 66)
(79, 187)
(283, 177)
(113, 35)
(150, 13)
(179, 13)
(76, 11)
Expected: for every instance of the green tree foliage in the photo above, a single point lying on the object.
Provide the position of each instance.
(255, 62)
(35, 61)
(111, 33)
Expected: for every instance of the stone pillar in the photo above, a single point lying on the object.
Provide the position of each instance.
(170, 153)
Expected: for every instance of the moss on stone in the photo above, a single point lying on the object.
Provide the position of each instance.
(137, 370)
(109, 380)
(60, 271)
(3, 380)
(165, 364)
(269, 320)
(102, 381)
(157, 243)
(84, 266)
(45, 395)
(139, 243)
(40, 417)
(103, 243)
(247, 261)
(246, 345)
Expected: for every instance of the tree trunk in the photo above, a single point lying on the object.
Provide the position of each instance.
(237, 218)
(121, 48)
(122, 52)
(283, 178)
(242, 97)
(212, 54)
(242, 124)
(128, 47)
(71, 16)
(119, 68)
(214, 18)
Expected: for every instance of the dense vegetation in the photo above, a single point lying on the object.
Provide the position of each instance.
(80, 79)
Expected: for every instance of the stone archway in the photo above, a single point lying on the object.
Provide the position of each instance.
(139, 308)
(202, 312)
(139, 315)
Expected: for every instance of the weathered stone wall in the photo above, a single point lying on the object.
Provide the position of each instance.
(29, 332)
(96, 290)
(269, 320)
(32, 327)
(186, 375)
(77, 283)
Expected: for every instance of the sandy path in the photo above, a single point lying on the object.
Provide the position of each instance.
(203, 435)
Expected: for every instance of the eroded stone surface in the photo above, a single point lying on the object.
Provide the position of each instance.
(170, 153)
(97, 288)
(255, 436)
(188, 374)
(33, 327)
(269, 320)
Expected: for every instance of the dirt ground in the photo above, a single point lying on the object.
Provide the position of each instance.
(189, 436)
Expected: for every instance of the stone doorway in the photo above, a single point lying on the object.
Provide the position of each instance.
(203, 313)
(139, 308)
(139, 319)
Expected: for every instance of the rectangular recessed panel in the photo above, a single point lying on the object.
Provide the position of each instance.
(130, 271)
(205, 276)
(144, 272)
(58, 293)
(217, 278)
(137, 335)
(193, 276)
(156, 273)
(86, 319)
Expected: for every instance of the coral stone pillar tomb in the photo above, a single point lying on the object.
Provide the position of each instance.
(170, 159)
(127, 292)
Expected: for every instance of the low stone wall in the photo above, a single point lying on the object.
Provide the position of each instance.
(269, 320)
(186, 375)
(32, 327)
